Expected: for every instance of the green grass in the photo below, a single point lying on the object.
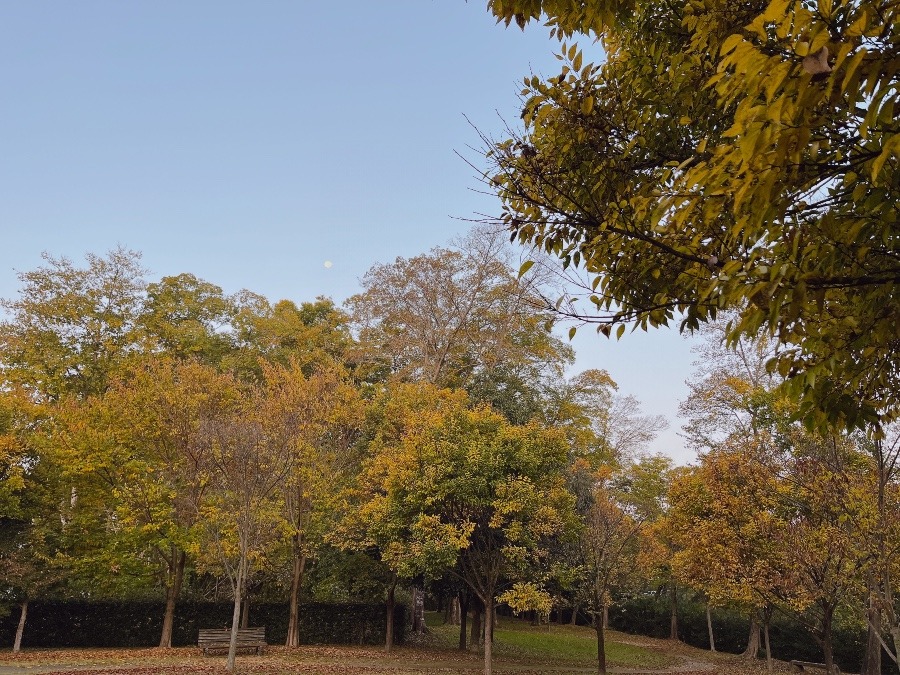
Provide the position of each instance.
(573, 645)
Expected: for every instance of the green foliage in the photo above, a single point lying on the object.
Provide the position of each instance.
(725, 156)
(188, 317)
(72, 327)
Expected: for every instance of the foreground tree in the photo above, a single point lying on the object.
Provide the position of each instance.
(466, 481)
(725, 156)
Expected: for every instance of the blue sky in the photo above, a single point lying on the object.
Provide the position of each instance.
(250, 142)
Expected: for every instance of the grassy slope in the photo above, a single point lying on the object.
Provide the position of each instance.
(572, 645)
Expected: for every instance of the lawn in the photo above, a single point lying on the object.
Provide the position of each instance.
(520, 649)
(568, 645)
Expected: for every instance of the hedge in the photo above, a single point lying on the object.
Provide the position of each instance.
(647, 615)
(138, 624)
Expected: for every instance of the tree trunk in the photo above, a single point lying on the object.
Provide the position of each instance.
(827, 640)
(753, 640)
(173, 589)
(475, 635)
(245, 611)
(293, 633)
(574, 620)
(488, 633)
(236, 614)
(418, 610)
(20, 628)
(673, 620)
(871, 664)
(463, 601)
(768, 644)
(454, 611)
(605, 617)
(601, 644)
(389, 625)
(709, 628)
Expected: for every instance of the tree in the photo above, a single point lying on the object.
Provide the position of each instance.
(376, 519)
(72, 327)
(245, 512)
(313, 333)
(445, 316)
(29, 493)
(607, 553)
(725, 156)
(187, 317)
(466, 485)
(792, 528)
(316, 420)
(142, 447)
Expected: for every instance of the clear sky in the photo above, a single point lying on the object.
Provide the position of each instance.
(250, 142)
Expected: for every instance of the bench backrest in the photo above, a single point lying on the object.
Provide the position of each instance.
(253, 634)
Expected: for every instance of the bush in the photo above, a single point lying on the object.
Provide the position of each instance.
(138, 624)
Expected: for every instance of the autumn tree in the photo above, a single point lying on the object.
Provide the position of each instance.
(445, 316)
(187, 317)
(244, 514)
(71, 327)
(139, 459)
(607, 553)
(308, 334)
(467, 482)
(724, 156)
(375, 518)
(316, 420)
(29, 493)
(791, 526)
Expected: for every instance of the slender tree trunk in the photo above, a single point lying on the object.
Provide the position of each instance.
(488, 633)
(709, 628)
(173, 590)
(418, 610)
(574, 619)
(605, 617)
(236, 614)
(20, 628)
(768, 643)
(871, 664)
(673, 620)
(389, 624)
(293, 634)
(463, 617)
(752, 649)
(601, 643)
(245, 610)
(828, 640)
(475, 634)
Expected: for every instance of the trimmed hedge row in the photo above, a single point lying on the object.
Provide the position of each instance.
(647, 615)
(138, 624)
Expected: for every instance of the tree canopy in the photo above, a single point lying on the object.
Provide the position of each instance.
(725, 156)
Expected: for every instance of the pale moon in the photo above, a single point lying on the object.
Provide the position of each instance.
(327, 264)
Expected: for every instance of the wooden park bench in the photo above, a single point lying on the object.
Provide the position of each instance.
(217, 639)
(801, 666)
